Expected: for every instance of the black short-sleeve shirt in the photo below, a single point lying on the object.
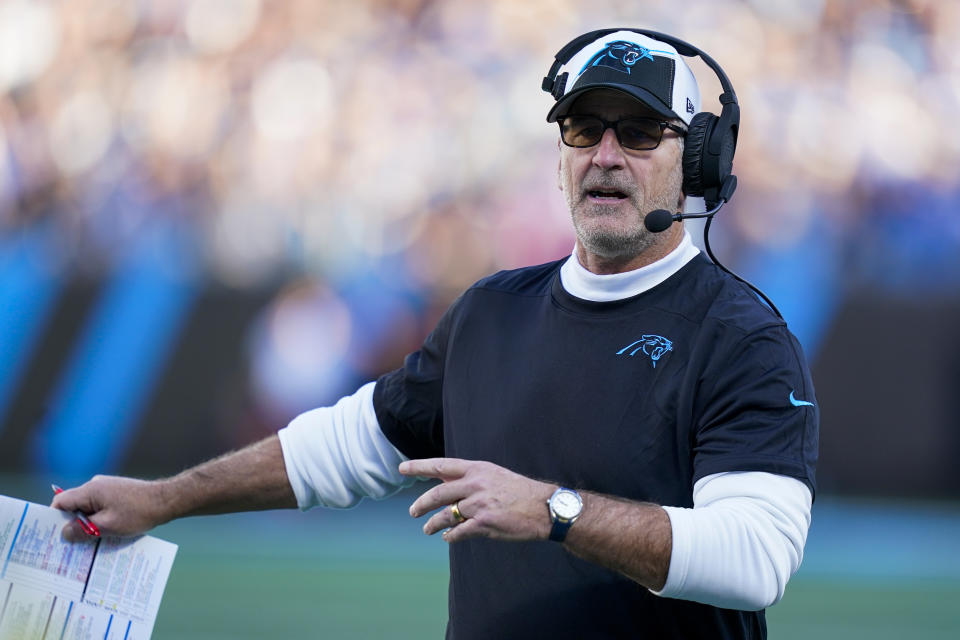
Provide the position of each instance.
(637, 398)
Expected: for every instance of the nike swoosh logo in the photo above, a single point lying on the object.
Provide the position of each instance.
(799, 403)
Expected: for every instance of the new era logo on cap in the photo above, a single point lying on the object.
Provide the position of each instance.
(649, 70)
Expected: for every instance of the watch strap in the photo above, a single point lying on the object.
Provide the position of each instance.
(558, 532)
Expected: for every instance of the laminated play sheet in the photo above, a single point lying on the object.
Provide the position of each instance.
(51, 589)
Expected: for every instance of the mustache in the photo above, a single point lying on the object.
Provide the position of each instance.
(607, 182)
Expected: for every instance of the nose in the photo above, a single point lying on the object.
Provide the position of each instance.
(609, 153)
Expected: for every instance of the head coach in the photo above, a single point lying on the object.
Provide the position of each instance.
(626, 437)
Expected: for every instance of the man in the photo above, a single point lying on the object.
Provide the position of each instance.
(626, 438)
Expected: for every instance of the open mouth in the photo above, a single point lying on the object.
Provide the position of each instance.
(604, 194)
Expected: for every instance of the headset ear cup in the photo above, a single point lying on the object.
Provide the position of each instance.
(716, 169)
(701, 126)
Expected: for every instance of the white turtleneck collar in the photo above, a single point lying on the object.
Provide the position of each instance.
(583, 284)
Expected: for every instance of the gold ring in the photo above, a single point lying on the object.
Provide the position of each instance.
(455, 510)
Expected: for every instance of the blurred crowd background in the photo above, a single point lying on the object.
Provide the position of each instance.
(215, 214)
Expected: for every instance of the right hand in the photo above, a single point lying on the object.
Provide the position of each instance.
(118, 506)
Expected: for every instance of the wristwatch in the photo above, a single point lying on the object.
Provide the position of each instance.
(565, 506)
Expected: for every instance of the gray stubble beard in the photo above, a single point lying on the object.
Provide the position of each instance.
(611, 244)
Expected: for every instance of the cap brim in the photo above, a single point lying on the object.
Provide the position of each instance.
(641, 94)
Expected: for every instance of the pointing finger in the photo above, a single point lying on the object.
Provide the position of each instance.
(440, 468)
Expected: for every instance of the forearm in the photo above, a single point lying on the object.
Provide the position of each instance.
(736, 549)
(632, 538)
(251, 479)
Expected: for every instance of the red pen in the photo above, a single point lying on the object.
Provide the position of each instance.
(88, 527)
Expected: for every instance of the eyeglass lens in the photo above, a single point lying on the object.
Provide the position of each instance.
(632, 133)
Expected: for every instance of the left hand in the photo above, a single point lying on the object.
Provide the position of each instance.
(496, 502)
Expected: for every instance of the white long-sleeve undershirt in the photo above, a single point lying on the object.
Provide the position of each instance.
(741, 542)
(337, 455)
(736, 548)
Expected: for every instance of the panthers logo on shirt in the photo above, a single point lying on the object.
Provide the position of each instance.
(652, 345)
(620, 55)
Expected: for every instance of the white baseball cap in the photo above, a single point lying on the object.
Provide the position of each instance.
(649, 70)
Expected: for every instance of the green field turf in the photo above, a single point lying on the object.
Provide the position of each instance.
(367, 572)
(871, 570)
(827, 610)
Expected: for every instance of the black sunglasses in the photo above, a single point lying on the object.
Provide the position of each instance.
(640, 134)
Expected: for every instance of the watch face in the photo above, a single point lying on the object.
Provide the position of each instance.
(566, 504)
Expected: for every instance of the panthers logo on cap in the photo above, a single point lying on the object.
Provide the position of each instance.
(621, 55)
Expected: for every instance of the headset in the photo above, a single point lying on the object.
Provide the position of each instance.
(710, 144)
(711, 140)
